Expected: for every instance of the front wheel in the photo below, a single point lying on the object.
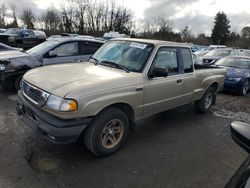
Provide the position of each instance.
(205, 103)
(244, 88)
(107, 132)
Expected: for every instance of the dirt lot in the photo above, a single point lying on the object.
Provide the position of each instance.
(178, 148)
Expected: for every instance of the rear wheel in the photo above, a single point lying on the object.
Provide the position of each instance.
(205, 103)
(244, 88)
(107, 132)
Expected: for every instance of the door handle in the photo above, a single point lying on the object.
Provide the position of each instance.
(139, 88)
(179, 81)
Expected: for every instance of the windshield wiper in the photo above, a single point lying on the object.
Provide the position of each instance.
(96, 61)
(116, 65)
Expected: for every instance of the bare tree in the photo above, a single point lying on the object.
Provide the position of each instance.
(68, 15)
(80, 14)
(186, 34)
(14, 22)
(50, 19)
(2, 15)
(28, 18)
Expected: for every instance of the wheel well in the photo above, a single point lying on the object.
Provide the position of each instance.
(11, 79)
(126, 109)
(215, 85)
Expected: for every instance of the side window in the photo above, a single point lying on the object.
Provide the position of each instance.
(30, 33)
(187, 60)
(68, 49)
(90, 48)
(167, 58)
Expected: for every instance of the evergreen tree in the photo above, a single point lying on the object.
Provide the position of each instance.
(221, 32)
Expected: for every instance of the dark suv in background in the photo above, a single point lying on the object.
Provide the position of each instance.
(22, 38)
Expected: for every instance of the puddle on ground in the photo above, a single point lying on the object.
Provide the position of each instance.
(3, 125)
(240, 116)
(46, 165)
(13, 97)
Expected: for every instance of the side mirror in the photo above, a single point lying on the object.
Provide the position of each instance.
(240, 132)
(52, 54)
(26, 34)
(159, 72)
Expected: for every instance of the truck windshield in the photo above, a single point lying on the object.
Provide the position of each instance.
(42, 48)
(131, 55)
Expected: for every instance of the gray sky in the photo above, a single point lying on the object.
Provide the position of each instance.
(197, 14)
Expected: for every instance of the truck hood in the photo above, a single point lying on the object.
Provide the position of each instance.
(84, 78)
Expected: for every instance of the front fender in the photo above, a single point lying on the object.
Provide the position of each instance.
(95, 104)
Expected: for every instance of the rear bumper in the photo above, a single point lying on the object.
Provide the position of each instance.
(56, 130)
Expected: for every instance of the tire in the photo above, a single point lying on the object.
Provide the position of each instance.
(100, 137)
(205, 103)
(17, 82)
(5, 86)
(244, 88)
(8, 84)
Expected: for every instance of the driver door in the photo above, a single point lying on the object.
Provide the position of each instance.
(64, 53)
(163, 93)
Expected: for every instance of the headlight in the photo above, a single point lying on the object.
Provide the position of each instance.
(234, 79)
(60, 104)
(2, 67)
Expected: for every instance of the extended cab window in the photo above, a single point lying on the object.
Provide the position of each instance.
(90, 48)
(167, 58)
(68, 49)
(187, 60)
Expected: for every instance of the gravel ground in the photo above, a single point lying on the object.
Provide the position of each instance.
(177, 148)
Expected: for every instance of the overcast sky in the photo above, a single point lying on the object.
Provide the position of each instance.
(198, 14)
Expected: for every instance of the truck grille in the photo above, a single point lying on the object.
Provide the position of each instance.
(31, 92)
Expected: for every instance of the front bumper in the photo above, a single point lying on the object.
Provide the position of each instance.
(232, 85)
(54, 129)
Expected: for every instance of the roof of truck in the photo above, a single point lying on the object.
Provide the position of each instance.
(155, 42)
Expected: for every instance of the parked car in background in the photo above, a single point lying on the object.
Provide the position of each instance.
(41, 35)
(2, 30)
(246, 53)
(197, 59)
(113, 34)
(202, 52)
(211, 47)
(124, 81)
(63, 35)
(211, 57)
(240, 133)
(238, 73)
(4, 47)
(14, 64)
(197, 48)
(22, 38)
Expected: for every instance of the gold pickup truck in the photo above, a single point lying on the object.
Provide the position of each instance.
(124, 81)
